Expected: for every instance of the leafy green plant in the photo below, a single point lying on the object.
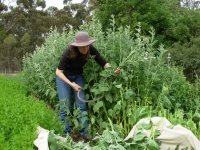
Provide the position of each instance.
(145, 80)
(71, 119)
(20, 115)
(39, 67)
(144, 138)
(107, 140)
(191, 122)
(145, 85)
(186, 55)
(57, 142)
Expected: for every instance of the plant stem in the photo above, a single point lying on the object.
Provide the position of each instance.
(124, 111)
(65, 146)
(108, 118)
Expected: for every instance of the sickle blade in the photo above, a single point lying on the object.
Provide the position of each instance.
(87, 101)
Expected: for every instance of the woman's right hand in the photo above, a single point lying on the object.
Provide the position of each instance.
(60, 74)
(75, 86)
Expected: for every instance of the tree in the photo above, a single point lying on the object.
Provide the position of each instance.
(167, 17)
(80, 12)
(28, 19)
(18, 21)
(31, 4)
(154, 13)
(8, 50)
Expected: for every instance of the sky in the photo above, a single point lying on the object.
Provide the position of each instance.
(58, 3)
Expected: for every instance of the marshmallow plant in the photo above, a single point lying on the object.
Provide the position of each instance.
(146, 84)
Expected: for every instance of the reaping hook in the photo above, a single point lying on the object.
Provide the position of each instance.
(87, 101)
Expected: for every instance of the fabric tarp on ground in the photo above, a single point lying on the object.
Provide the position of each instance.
(169, 138)
(42, 141)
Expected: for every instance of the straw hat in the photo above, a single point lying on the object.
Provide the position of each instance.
(82, 39)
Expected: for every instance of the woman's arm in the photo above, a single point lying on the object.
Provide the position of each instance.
(60, 74)
(100, 60)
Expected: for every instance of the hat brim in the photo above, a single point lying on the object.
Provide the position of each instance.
(74, 43)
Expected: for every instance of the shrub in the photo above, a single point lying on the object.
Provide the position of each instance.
(146, 83)
(20, 115)
(39, 67)
(187, 56)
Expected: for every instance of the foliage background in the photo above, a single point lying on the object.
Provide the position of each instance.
(174, 21)
(149, 83)
(146, 82)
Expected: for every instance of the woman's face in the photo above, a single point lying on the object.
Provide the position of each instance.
(83, 49)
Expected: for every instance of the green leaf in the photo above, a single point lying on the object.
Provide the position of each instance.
(97, 106)
(152, 145)
(196, 117)
(156, 133)
(191, 124)
(118, 86)
(109, 97)
(139, 136)
(47, 92)
(107, 72)
(130, 140)
(146, 72)
(117, 106)
(171, 126)
(103, 88)
(111, 112)
(134, 146)
(166, 101)
(143, 125)
(128, 93)
(118, 147)
(92, 119)
(141, 112)
(53, 94)
(95, 91)
(108, 137)
(76, 148)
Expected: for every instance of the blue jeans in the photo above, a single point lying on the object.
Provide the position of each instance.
(64, 94)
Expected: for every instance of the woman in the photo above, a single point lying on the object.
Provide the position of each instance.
(69, 75)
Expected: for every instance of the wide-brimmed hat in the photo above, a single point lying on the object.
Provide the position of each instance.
(82, 39)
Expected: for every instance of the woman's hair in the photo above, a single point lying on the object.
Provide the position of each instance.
(74, 52)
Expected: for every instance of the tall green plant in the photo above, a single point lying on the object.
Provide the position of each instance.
(145, 82)
(39, 67)
(187, 56)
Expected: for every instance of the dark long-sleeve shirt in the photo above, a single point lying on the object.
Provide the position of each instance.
(75, 66)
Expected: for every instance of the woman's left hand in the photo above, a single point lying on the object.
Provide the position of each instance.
(117, 71)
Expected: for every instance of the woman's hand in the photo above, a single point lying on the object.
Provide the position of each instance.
(75, 86)
(117, 71)
(107, 65)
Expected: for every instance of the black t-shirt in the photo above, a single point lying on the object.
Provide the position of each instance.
(75, 66)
